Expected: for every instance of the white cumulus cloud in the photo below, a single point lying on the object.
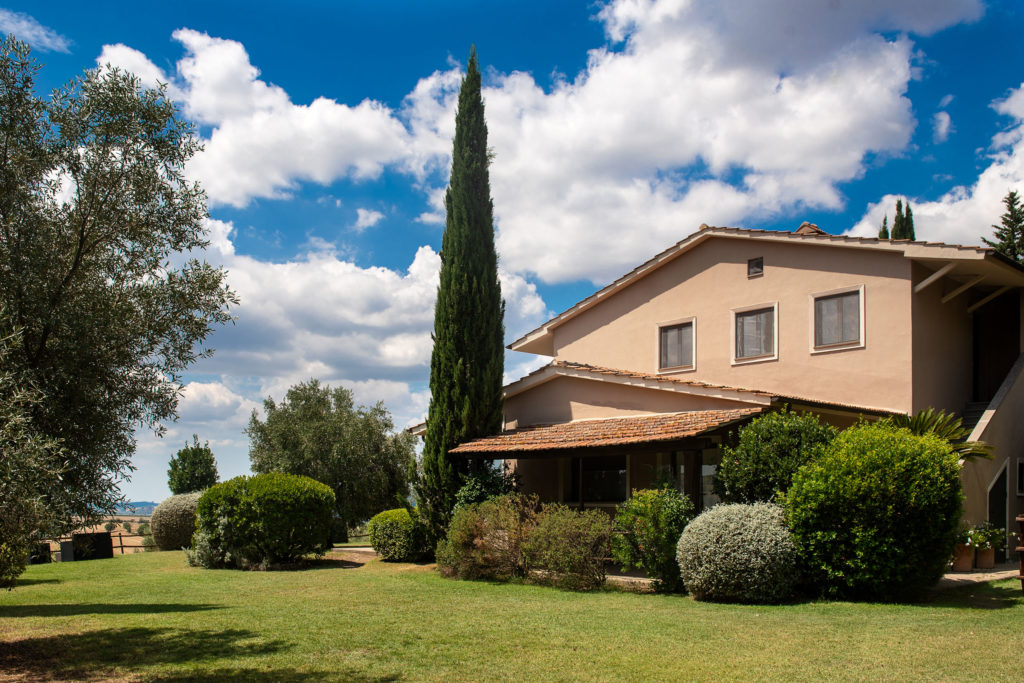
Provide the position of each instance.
(26, 28)
(942, 126)
(367, 218)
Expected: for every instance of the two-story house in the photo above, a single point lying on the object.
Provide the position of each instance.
(651, 373)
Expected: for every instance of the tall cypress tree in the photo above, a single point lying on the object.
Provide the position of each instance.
(883, 233)
(897, 221)
(467, 363)
(902, 222)
(1010, 233)
(908, 223)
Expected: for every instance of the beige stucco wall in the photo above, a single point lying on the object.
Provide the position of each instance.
(942, 360)
(570, 398)
(1004, 430)
(711, 280)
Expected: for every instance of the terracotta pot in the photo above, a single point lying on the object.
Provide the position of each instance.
(963, 558)
(986, 558)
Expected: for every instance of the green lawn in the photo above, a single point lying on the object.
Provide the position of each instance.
(150, 617)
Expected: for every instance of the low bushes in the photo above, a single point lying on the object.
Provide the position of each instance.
(876, 515)
(649, 525)
(485, 540)
(738, 553)
(569, 547)
(398, 536)
(505, 537)
(770, 450)
(262, 521)
(174, 521)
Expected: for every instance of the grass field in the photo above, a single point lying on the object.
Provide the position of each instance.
(150, 617)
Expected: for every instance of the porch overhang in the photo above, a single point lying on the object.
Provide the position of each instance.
(662, 431)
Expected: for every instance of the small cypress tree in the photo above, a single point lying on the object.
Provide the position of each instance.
(883, 233)
(908, 223)
(1009, 235)
(467, 362)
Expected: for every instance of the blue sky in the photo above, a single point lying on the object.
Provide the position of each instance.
(618, 127)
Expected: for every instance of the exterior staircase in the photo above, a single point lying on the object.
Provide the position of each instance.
(972, 414)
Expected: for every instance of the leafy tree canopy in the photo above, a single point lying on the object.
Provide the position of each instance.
(96, 224)
(193, 468)
(318, 432)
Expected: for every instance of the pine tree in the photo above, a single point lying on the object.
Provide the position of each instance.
(467, 363)
(883, 233)
(1010, 233)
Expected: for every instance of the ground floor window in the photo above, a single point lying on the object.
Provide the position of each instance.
(603, 479)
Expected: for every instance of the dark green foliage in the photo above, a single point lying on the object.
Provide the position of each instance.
(262, 521)
(770, 450)
(485, 540)
(318, 432)
(739, 553)
(1009, 234)
(903, 222)
(875, 516)
(98, 218)
(30, 468)
(486, 482)
(883, 232)
(174, 521)
(648, 526)
(127, 527)
(398, 536)
(945, 426)
(192, 468)
(467, 362)
(568, 548)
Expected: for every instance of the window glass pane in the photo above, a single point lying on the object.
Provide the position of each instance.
(604, 479)
(837, 319)
(755, 333)
(676, 346)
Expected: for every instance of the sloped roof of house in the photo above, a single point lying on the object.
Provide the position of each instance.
(613, 431)
(998, 269)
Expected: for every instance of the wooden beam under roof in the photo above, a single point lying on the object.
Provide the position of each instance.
(961, 289)
(934, 277)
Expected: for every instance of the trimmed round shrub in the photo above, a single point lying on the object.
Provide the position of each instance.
(876, 515)
(174, 521)
(771, 448)
(262, 521)
(485, 540)
(739, 552)
(397, 536)
(649, 525)
(569, 547)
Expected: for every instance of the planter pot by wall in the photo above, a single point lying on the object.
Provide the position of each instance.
(986, 559)
(963, 558)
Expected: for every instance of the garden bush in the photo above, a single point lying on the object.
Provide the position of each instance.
(740, 552)
(174, 521)
(398, 536)
(485, 483)
(771, 448)
(485, 540)
(648, 527)
(262, 521)
(569, 547)
(876, 515)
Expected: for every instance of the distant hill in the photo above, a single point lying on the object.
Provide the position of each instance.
(137, 507)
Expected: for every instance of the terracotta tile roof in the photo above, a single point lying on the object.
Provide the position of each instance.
(614, 431)
(666, 379)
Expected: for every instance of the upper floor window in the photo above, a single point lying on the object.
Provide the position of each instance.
(755, 333)
(838, 318)
(755, 266)
(675, 346)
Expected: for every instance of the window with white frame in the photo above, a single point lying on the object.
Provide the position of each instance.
(675, 346)
(838, 319)
(755, 333)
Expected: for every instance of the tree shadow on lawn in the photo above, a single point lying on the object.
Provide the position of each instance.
(328, 563)
(32, 582)
(95, 654)
(74, 609)
(991, 595)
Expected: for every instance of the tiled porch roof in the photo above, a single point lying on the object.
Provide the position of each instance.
(614, 431)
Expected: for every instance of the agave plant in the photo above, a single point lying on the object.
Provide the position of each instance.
(946, 426)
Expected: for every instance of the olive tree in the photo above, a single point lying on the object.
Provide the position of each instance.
(99, 228)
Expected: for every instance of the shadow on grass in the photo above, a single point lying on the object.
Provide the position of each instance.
(978, 596)
(283, 675)
(329, 563)
(73, 609)
(97, 654)
(33, 582)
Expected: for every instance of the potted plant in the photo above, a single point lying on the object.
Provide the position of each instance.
(963, 551)
(987, 539)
